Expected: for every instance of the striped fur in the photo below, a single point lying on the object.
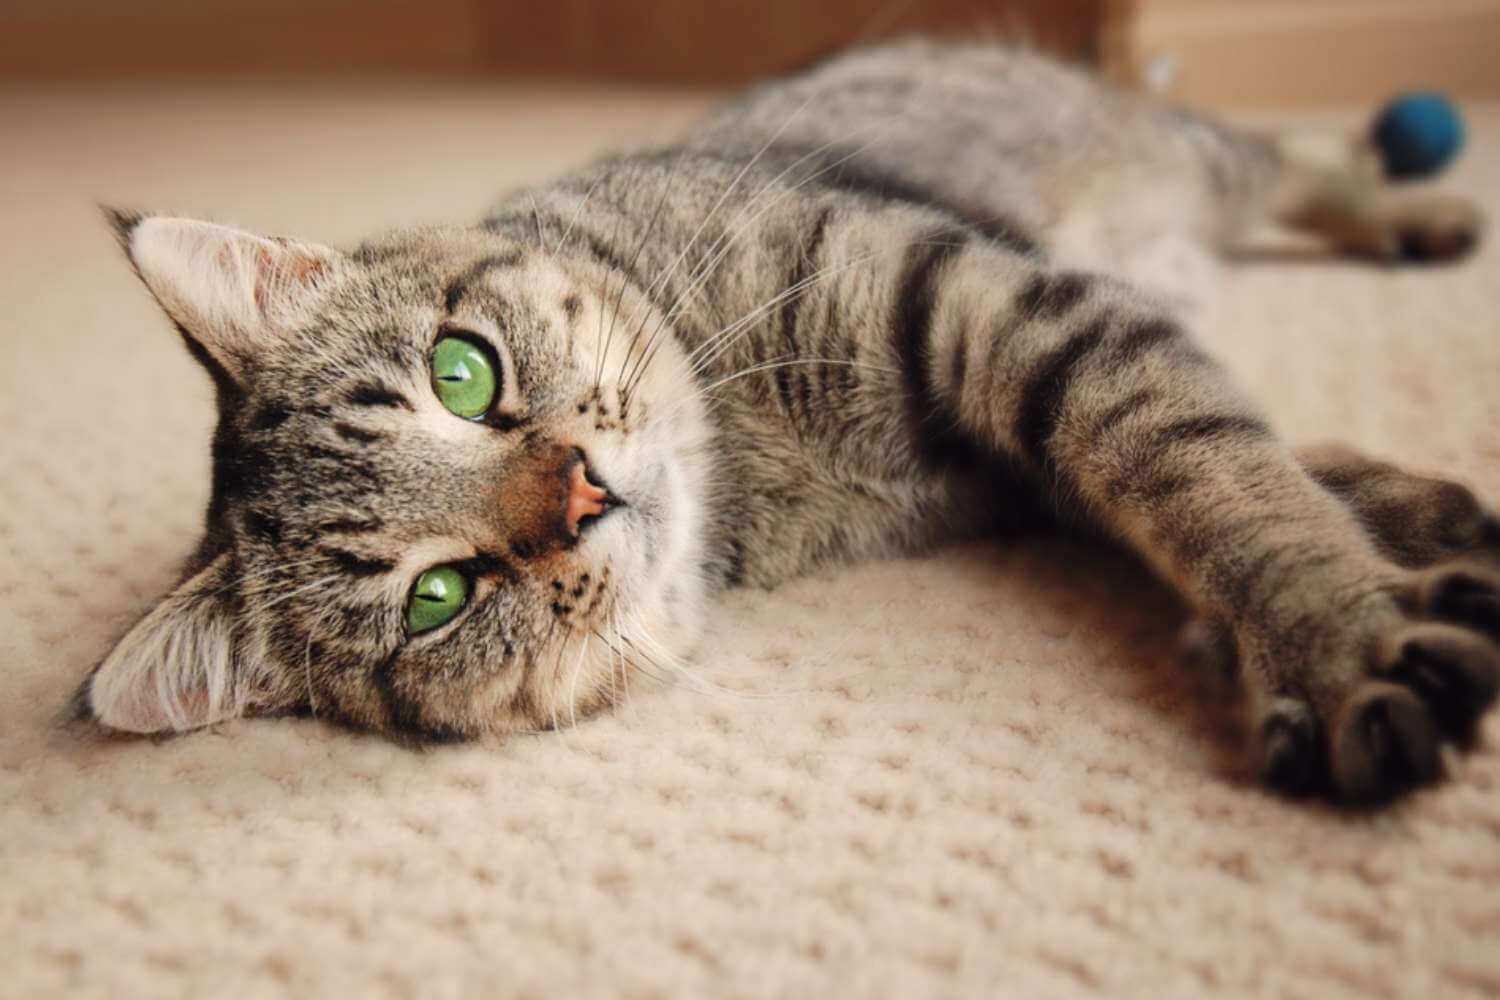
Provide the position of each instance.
(882, 304)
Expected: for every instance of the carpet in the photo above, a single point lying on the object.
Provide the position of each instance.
(977, 773)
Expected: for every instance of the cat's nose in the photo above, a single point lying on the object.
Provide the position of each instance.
(545, 499)
(585, 500)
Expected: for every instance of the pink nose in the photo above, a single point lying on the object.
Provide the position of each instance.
(584, 498)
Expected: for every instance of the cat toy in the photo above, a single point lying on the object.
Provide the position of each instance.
(1417, 135)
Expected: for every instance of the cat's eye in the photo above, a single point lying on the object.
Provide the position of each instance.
(463, 376)
(439, 594)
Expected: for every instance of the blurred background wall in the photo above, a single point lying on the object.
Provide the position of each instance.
(1218, 52)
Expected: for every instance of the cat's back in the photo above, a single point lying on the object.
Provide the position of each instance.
(1101, 179)
(981, 125)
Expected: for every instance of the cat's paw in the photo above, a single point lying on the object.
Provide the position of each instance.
(1415, 520)
(1429, 228)
(1423, 674)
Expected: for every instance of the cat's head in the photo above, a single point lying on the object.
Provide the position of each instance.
(448, 499)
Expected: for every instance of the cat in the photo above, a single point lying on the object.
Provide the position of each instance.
(461, 475)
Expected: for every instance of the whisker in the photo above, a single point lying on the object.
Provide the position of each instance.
(660, 281)
(536, 215)
(556, 678)
(625, 661)
(661, 202)
(733, 184)
(725, 242)
(768, 366)
(692, 681)
(579, 210)
(320, 582)
(715, 345)
(679, 667)
(319, 623)
(674, 666)
(621, 212)
(261, 574)
(614, 657)
(573, 685)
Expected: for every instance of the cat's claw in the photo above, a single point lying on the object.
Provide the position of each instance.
(1430, 671)
(1431, 676)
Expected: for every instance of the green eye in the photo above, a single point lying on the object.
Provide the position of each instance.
(463, 377)
(440, 594)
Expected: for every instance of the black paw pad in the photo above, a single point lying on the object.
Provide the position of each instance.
(1289, 748)
(1384, 742)
(1420, 245)
(1456, 672)
(1466, 596)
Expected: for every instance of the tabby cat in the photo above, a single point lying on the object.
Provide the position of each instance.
(465, 477)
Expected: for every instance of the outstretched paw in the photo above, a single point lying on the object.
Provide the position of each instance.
(1428, 675)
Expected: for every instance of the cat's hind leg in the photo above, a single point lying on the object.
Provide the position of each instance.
(1334, 187)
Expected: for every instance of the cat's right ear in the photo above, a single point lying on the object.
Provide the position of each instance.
(229, 291)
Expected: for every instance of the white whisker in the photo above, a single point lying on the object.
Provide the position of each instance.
(768, 366)
(661, 203)
(573, 685)
(729, 190)
(579, 210)
(320, 582)
(710, 256)
(536, 215)
(239, 582)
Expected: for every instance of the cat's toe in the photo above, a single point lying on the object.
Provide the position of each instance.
(1383, 742)
(1455, 671)
(1456, 519)
(1426, 245)
(1434, 230)
(1433, 679)
(1290, 751)
(1465, 594)
(1388, 692)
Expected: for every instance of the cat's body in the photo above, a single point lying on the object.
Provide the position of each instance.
(844, 318)
(917, 145)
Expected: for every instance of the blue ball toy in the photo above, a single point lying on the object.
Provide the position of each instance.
(1417, 135)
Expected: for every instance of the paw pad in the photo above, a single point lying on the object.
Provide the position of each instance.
(1455, 671)
(1383, 742)
(1289, 754)
(1465, 596)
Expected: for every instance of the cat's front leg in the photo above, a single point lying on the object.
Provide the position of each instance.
(1355, 668)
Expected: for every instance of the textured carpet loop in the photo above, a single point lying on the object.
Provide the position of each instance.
(973, 774)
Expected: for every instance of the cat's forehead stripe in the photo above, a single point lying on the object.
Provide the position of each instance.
(351, 526)
(356, 565)
(377, 394)
(454, 293)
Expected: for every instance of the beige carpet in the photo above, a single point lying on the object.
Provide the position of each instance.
(975, 774)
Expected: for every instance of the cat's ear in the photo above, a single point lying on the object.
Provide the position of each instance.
(178, 668)
(230, 291)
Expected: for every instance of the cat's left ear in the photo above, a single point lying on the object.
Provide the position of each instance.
(179, 667)
(230, 291)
